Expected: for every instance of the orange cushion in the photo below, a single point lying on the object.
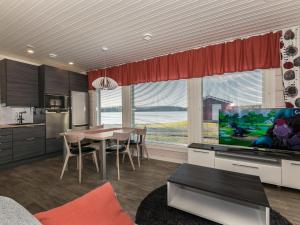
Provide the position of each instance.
(98, 207)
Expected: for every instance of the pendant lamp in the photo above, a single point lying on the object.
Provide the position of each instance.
(104, 83)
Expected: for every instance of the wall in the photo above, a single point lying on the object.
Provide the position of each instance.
(9, 115)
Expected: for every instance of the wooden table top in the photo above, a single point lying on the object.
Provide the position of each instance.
(101, 134)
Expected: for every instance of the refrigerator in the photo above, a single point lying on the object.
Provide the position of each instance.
(79, 110)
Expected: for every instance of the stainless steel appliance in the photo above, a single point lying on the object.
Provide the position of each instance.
(80, 110)
(56, 103)
(56, 123)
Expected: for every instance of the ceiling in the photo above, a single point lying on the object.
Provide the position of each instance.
(77, 29)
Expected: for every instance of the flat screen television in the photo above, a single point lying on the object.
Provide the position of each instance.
(262, 128)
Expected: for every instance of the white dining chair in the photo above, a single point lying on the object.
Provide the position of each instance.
(75, 149)
(120, 148)
(141, 147)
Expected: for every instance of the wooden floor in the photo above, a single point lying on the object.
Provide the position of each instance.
(37, 186)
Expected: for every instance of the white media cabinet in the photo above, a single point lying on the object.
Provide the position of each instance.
(277, 169)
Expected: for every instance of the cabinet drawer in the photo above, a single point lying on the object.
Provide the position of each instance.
(5, 155)
(5, 145)
(28, 149)
(268, 173)
(291, 174)
(201, 157)
(54, 145)
(5, 138)
(5, 131)
(27, 133)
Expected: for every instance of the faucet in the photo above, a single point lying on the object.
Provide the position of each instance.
(20, 117)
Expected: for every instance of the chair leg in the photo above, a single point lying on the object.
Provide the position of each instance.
(123, 158)
(138, 155)
(77, 160)
(80, 167)
(146, 151)
(64, 166)
(129, 155)
(118, 165)
(96, 161)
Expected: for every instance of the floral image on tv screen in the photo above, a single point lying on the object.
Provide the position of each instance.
(264, 128)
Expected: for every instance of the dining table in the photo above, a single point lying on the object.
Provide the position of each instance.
(101, 135)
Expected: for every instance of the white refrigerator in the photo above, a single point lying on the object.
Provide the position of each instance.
(80, 110)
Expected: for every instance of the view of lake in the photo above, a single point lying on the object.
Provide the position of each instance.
(162, 127)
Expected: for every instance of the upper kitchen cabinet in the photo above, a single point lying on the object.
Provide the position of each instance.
(19, 84)
(78, 82)
(53, 81)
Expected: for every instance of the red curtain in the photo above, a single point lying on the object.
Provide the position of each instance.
(258, 52)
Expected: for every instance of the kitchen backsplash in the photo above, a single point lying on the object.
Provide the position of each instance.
(9, 115)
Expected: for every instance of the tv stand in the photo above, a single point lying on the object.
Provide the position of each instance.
(273, 167)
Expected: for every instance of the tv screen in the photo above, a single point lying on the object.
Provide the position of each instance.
(264, 128)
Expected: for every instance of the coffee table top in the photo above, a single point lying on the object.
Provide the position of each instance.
(237, 186)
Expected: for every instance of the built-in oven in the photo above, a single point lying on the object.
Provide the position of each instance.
(56, 103)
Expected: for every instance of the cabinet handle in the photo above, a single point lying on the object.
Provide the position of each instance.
(252, 167)
(200, 151)
(30, 139)
(295, 164)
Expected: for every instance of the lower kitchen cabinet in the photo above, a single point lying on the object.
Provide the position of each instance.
(6, 154)
(54, 145)
(29, 148)
(28, 142)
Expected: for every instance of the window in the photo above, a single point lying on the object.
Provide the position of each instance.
(110, 103)
(162, 108)
(242, 89)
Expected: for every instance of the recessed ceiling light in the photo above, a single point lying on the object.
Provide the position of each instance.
(147, 37)
(104, 48)
(71, 63)
(30, 51)
(52, 55)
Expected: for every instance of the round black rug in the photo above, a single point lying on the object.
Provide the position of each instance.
(153, 210)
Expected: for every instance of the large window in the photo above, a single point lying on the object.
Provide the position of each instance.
(242, 89)
(162, 108)
(110, 105)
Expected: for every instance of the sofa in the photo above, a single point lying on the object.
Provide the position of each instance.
(98, 207)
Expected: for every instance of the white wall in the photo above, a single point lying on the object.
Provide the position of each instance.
(9, 115)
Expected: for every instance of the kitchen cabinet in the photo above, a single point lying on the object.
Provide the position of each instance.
(5, 145)
(19, 84)
(54, 145)
(78, 82)
(28, 142)
(53, 81)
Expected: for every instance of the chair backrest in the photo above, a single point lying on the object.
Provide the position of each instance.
(141, 135)
(121, 136)
(71, 138)
(97, 127)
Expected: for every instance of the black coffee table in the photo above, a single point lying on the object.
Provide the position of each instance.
(224, 197)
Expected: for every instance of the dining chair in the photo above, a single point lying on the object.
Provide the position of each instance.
(121, 138)
(141, 147)
(74, 148)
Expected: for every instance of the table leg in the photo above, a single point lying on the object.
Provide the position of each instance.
(102, 156)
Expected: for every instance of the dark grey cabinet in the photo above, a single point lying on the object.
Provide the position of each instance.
(6, 155)
(54, 145)
(53, 81)
(28, 142)
(78, 82)
(19, 84)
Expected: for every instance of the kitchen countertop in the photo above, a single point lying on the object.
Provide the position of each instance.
(3, 126)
